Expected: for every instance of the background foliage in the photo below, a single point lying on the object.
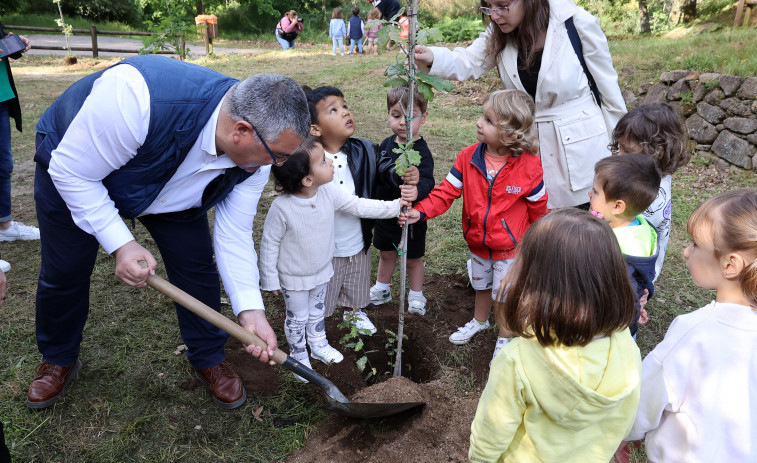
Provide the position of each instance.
(245, 19)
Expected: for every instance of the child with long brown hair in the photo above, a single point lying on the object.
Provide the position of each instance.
(699, 384)
(566, 389)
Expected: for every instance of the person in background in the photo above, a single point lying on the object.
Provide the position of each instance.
(288, 28)
(529, 42)
(372, 32)
(10, 230)
(356, 30)
(337, 31)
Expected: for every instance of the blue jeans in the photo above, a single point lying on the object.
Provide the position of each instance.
(6, 163)
(285, 44)
(359, 43)
(337, 42)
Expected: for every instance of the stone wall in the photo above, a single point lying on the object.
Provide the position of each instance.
(720, 112)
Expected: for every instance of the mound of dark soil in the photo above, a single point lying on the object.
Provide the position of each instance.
(438, 432)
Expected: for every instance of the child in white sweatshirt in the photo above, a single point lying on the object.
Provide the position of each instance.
(298, 244)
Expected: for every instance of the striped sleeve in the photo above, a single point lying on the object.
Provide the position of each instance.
(537, 193)
(455, 178)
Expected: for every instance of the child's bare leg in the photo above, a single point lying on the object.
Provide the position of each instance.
(415, 272)
(483, 305)
(386, 266)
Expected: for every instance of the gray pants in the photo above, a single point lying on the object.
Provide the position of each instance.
(304, 318)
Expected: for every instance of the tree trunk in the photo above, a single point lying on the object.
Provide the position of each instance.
(676, 11)
(199, 7)
(689, 10)
(644, 17)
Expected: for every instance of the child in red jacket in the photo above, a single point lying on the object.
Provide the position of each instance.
(503, 194)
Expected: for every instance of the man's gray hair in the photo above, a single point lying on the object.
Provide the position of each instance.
(272, 102)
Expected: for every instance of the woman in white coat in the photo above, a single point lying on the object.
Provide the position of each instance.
(527, 40)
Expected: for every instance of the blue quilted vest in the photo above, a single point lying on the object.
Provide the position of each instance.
(183, 96)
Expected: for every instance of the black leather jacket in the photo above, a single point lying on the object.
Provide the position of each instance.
(363, 164)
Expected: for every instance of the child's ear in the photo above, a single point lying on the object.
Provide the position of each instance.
(315, 130)
(732, 265)
(307, 182)
(619, 207)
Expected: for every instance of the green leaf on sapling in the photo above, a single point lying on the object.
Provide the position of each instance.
(395, 81)
(437, 82)
(361, 363)
(413, 157)
(396, 69)
(425, 90)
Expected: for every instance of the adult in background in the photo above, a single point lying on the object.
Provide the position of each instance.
(160, 141)
(388, 9)
(288, 28)
(529, 43)
(10, 230)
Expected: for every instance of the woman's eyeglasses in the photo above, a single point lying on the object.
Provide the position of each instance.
(278, 158)
(500, 10)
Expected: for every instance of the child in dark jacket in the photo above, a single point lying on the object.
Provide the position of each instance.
(624, 187)
(356, 30)
(387, 234)
(503, 191)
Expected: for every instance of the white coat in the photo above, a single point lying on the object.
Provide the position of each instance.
(573, 131)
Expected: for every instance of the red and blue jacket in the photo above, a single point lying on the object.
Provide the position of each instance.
(496, 215)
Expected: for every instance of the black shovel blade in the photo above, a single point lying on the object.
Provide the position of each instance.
(339, 403)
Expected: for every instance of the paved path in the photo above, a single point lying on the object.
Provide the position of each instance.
(106, 41)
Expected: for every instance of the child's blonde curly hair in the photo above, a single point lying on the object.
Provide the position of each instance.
(515, 118)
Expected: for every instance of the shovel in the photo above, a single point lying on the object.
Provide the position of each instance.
(336, 401)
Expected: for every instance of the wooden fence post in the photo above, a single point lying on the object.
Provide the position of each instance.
(182, 52)
(93, 32)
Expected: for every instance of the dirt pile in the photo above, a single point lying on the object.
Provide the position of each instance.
(439, 432)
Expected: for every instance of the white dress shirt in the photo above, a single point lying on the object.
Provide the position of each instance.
(107, 132)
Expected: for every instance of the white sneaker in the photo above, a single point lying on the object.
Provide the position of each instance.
(5, 266)
(464, 333)
(360, 319)
(305, 361)
(380, 296)
(326, 354)
(19, 231)
(416, 304)
(498, 347)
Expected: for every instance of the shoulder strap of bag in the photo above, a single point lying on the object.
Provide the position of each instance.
(575, 41)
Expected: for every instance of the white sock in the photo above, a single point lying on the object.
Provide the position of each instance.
(415, 293)
(383, 286)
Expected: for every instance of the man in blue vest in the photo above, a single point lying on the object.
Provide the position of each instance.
(160, 141)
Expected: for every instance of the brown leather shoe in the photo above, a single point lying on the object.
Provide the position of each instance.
(226, 387)
(50, 384)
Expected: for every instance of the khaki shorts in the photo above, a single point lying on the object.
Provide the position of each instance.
(486, 273)
(351, 284)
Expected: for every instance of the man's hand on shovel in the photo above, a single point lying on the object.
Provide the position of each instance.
(255, 322)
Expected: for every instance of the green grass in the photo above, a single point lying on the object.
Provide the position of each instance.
(128, 405)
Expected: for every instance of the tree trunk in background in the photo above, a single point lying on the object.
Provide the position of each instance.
(676, 10)
(199, 7)
(689, 10)
(644, 17)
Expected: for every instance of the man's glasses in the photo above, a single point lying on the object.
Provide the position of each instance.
(278, 158)
(500, 10)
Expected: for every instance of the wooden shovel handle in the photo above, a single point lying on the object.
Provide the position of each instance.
(211, 316)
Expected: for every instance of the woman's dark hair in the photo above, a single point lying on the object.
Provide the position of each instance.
(289, 175)
(524, 37)
(569, 282)
(659, 131)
